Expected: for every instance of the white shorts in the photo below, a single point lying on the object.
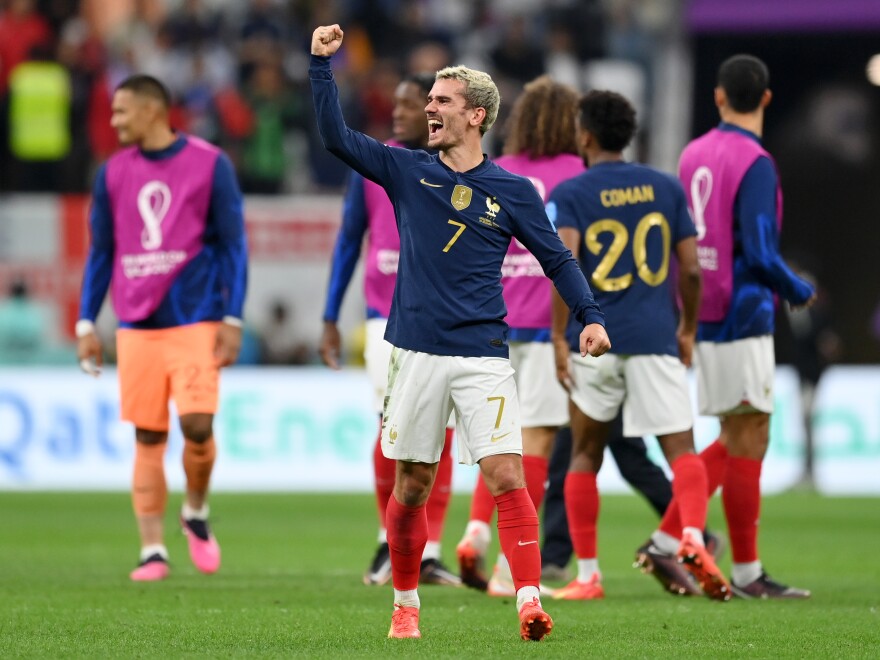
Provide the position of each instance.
(424, 389)
(735, 377)
(543, 401)
(653, 390)
(377, 355)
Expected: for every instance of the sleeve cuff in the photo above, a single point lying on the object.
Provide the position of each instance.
(233, 321)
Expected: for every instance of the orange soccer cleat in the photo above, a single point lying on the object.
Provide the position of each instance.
(471, 565)
(534, 623)
(405, 623)
(699, 563)
(577, 590)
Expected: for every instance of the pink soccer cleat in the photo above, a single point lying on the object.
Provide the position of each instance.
(152, 569)
(577, 590)
(203, 547)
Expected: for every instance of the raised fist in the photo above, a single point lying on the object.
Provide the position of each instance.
(326, 40)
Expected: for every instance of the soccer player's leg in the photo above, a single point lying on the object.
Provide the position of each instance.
(413, 422)
(741, 495)
(144, 396)
(195, 380)
(487, 407)
(471, 550)
(433, 570)
(595, 401)
(377, 355)
(582, 505)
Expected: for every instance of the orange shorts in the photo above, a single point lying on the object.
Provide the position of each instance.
(156, 366)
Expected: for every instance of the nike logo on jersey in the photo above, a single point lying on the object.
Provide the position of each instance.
(526, 543)
(496, 438)
(432, 185)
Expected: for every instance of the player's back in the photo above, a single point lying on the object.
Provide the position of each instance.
(630, 217)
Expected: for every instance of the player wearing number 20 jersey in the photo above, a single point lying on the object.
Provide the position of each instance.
(630, 217)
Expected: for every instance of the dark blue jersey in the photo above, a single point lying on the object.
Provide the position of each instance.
(209, 287)
(455, 228)
(758, 268)
(630, 218)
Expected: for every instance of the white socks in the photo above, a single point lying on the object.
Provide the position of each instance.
(586, 569)
(526, 595)
(743, 574)
(156, 549)
(189, 513)
(408, 598)
(479, 534)
(665, 543)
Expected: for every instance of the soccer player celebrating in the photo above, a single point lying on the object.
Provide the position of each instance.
(456, 214)
(368, 211)
(734, 195)
(167, 238)
(625, 222)
(540, 146)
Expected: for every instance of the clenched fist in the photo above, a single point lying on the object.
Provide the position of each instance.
(326, 40)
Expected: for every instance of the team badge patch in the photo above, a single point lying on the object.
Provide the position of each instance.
(461, 197)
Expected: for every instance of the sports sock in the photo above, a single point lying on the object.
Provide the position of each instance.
(407, 535)
(198, 463)
(664, 542)
(482, 502)
(689, 488)
(741, 495)
(409, 598)
(518, 536)
(582, 509)
(432, 549)
(535, 469)
(438, 500)
(189, 513)
(155, 549)
(586, 569)
(743, 574)
(715, 459)
(527, 595)
(479, 535)
(384, 470)
(149, 493)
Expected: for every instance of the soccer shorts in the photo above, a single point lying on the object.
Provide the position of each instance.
(652, 389)
(735, 377)
(156, 366)
(424, 389)
(377, 355)
(543, 401)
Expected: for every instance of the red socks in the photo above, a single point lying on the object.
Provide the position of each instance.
(384, 470)
(582, 509)
(438, 500)
(715, 459)
(482, 502)
(518, 535)
(741, 495)
(535, 469)
(407, 535)
(689, 488)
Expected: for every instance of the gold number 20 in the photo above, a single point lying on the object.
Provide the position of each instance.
(620, 238)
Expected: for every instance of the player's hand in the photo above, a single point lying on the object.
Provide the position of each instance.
(227, 345)
(594, 340)
(561, 354)
(330, 344)
(88, 350)
(686, 340)
(326, 40)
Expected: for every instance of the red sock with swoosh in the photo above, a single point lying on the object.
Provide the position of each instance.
(518, 535)
(582, 509)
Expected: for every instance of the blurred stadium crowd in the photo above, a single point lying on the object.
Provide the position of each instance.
(237, 69)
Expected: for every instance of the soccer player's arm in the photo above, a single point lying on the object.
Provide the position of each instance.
(756, 200)
(690, 280)
(342, 265)
(226, 213)
(365, 155)
(536, 231)
(96, 275)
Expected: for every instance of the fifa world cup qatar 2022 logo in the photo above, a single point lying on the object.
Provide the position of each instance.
(153, 202)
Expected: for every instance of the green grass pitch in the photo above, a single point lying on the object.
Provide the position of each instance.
(290, 586)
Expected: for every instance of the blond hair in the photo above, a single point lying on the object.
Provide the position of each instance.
(480, 91)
